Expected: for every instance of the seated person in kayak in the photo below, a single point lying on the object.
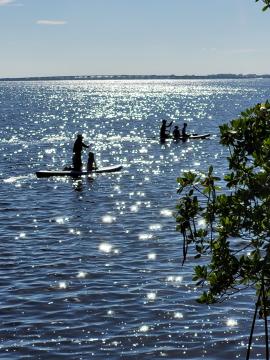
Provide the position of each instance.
(77, 153)
(164, 133)
(176, 133)
(91, 163)
(185, 135)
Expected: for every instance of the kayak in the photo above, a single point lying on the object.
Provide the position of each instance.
(195, 136)
(73, 173)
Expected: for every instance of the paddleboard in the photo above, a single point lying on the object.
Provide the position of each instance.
(73, 173)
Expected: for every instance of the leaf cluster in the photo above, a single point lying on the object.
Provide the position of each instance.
(267, 4)
(228, 228)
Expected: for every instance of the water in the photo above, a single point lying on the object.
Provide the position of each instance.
(91, 268)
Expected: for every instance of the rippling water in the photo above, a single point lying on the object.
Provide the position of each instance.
(91, 268)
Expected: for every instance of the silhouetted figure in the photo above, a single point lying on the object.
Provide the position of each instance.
(184, 133)
(176, 133)
(164, 133)
(91, 163)
(77, 152)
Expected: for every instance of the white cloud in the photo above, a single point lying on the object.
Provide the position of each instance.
(5, 2)
(50, 22)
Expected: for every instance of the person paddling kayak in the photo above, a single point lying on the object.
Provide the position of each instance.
(185, 135)
(164, 133)
(176, 133)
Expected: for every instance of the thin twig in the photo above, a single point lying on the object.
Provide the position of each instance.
(253, 325)
(265, 321)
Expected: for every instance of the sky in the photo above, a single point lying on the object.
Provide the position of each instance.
(134, 37)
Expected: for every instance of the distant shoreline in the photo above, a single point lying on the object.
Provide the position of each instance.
(139, 77)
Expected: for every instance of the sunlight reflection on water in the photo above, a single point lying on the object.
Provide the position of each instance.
(92, 266)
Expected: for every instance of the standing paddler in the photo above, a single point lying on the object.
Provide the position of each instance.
(77, 152)
(164, 133)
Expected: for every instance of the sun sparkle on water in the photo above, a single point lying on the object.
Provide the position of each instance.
(108, 219)
(81, 274)
(151, 296)
(231, 322)
(152, 256)
(144, 328)
(166, 212)
(145, 236)
(178, 315)
(62, 285)
(105, 247)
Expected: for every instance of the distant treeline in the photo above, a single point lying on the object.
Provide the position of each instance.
(139, 77)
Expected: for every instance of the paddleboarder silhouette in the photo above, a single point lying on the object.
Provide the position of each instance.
(164, 133)
(77, 152)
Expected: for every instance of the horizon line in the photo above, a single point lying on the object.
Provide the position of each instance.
(132, 77)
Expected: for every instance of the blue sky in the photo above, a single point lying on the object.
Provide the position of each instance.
(87, 37)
